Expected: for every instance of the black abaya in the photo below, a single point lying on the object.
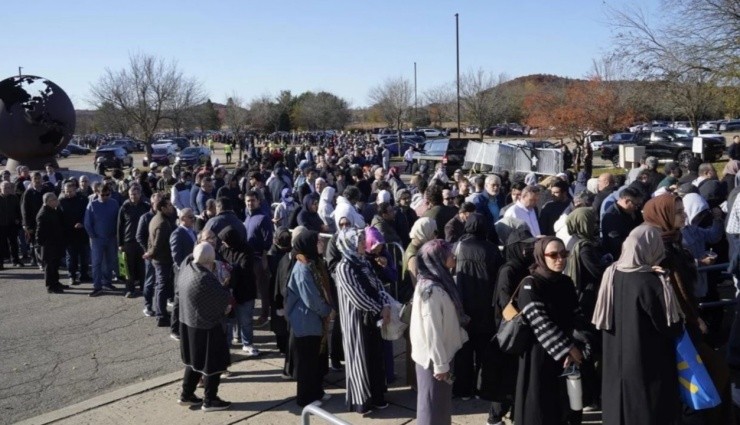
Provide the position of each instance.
(640, 379)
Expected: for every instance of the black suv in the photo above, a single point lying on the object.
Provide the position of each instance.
(113, 157)
(450, 152)
(664, 145)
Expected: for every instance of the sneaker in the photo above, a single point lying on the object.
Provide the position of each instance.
(148, 312)
(170, 304)
(109, 287)
(251, 351)
(494, 423)
(381, 406)
(55, 290)
(96, 292)
(191, 400)
(465, 398)
(215, 404)
(74, 282)
(130, 294)
(174, 336)
(260, 322)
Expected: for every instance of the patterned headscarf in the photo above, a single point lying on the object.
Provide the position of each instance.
(432, 271)
(348, 239)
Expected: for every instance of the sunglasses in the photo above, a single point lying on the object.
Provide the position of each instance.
(555, 255)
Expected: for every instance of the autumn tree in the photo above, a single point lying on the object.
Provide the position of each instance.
(440, 103)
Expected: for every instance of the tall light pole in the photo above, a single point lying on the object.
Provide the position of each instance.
(457, 52)
(20, 69)
(415, 103)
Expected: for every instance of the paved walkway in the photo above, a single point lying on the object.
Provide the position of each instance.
(259, 396)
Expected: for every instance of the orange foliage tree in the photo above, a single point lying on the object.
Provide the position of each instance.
(573, 109)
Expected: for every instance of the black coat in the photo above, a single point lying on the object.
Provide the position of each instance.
(50, 233)
(541, 396)
(73, 212)
(243, 283)
(441, 215)
(615, 227)
(639, 362)
(478, 263)
(549, 214)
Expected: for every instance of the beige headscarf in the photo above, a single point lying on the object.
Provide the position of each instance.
(641, 252)
(423, 229)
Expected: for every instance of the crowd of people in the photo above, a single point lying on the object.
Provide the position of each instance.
(607, 271)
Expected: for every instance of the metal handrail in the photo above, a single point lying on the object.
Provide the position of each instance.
(323, 414)
(720, 303)
(396, 251)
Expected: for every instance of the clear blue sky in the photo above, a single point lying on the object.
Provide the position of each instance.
(261, 47)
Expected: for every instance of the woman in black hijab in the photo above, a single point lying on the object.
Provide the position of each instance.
(498, 381)
(307, 307)
(548, 299)
(278, 261)
(309, 216)
(478, 262)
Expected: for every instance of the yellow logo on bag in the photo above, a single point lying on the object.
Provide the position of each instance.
(688, 385)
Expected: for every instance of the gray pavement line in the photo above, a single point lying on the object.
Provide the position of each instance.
(111, 397)
(271, 408)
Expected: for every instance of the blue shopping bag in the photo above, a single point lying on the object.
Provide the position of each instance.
(695, 385)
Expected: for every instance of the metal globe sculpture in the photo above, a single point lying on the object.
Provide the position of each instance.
(37, 120)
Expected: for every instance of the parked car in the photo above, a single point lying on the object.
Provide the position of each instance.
(127, 144)
(506, 131)
(714, 134)
(113, 157)
(731, 125)
(77, 149)
(662, 145)
(192, 157)
(162, 154)
(396, 150)
(450, 152)
(595, 140)
(431, 132)
(64, 153)
(179, 142)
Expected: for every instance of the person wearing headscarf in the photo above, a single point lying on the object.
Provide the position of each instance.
(203, 305)
(284, 209)
(697, 238)
(307, 308)
(498, 377)
(326, 208)
(640, 319)
(667, 213)
(585, 265)
(437, 332)
(394, 179)
(423, 230)
(309, 216)
(530, 179)
(478, 262)
(278, 261)
(362, 303)
(235, 251)
(547, 299)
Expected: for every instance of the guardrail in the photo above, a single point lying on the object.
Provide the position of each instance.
(323, 414)
(513, 157)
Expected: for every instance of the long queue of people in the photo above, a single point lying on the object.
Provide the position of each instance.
(606, 272)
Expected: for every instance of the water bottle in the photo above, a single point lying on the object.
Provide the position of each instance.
(575, 390)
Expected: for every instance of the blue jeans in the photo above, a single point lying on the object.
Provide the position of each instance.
(148, 284)
(104, 261)
(162, 288)
(244, 314)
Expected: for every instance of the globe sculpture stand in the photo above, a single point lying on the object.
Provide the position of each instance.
(37, 120)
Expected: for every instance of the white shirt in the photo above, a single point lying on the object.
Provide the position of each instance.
(526, 215)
